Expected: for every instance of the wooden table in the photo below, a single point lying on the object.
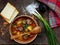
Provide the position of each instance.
(4, 26)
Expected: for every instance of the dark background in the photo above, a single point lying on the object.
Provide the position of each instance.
(20, 4)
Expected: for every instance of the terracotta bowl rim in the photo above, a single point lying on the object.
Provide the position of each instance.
(21, 42)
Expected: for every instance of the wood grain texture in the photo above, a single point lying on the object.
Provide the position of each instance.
(19, 4)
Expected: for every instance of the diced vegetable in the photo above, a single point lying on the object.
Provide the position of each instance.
(26, 30)
(18, 23)
(18, 33)
(20, 28)
(25, 26)
(25, 36)
(30, 28)
(14, 32)
(29, 21)
(24, 22)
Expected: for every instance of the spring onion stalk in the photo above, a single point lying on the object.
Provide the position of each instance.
(52, 40)
(51, 36)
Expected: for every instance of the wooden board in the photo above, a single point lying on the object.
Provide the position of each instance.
(19, 4)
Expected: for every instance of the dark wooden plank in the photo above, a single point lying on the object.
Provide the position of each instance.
(41, 38)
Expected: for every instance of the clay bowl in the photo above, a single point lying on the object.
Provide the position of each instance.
(18, 41)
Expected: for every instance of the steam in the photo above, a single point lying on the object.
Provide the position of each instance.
(32, 8)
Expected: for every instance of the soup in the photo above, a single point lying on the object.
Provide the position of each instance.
(21, 28)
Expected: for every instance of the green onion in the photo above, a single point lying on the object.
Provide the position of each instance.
(52, 40)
